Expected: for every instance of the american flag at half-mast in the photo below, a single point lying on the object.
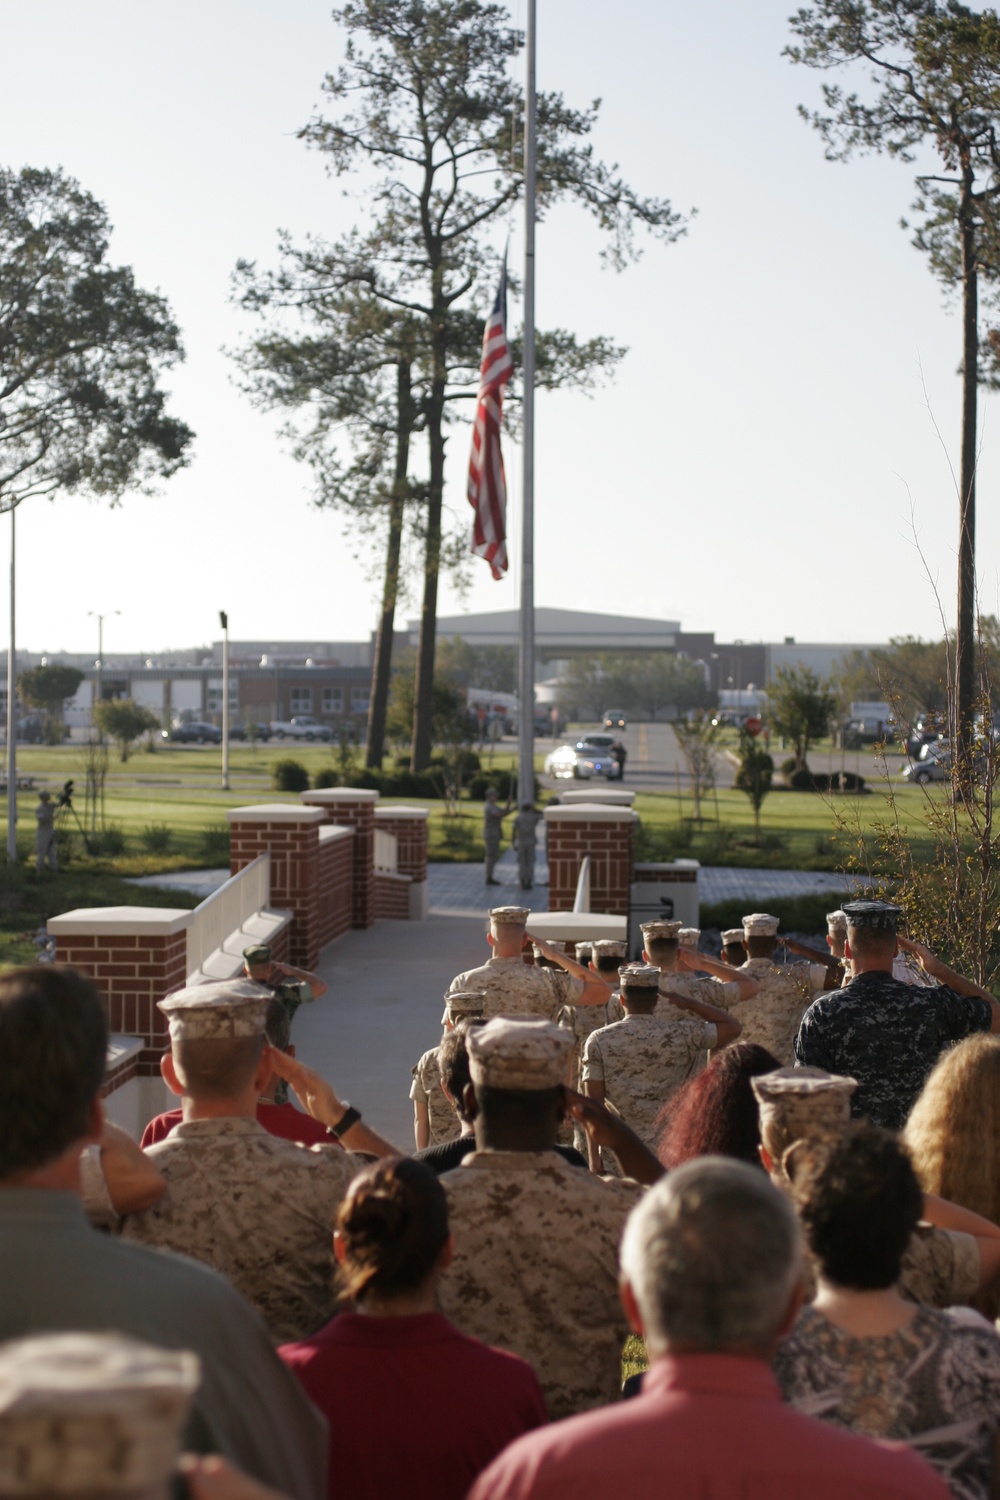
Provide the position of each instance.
(487, 485)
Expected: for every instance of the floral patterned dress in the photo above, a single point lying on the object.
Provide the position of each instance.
(934, 1384)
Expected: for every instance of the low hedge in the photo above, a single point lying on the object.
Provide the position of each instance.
(822, 781)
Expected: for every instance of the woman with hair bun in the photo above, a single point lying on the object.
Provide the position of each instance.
(414, 1406)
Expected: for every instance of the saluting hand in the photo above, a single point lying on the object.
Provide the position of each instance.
(918, 950)
(318, 1098)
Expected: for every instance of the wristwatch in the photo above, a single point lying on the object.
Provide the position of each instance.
(350, 1117)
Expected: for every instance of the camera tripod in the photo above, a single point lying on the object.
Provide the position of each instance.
(64, 803)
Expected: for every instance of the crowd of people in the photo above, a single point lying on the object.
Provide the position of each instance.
(673, 1227)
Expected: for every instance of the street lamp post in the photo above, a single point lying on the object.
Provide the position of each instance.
(92, 613)
(224, 622)
(98, 688)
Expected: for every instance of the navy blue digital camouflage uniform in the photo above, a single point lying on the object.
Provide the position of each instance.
(888, 1035)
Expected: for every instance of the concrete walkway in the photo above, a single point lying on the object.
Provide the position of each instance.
(383, 1010)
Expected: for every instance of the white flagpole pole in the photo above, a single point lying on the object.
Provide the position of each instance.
(526, 716)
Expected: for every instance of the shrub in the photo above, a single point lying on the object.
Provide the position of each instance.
(326, 777)
(215, 843)
(795, 913)
(289, 776)
(110, 840)
(809, 781)
(467, 760)
(413, 784)
(766, 765)
(821, 781)
(156, 838)
(788, 766)
(372, 780)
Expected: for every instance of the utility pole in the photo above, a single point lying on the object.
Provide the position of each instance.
(99, 664)
(224, 622)
(98, 691)
(526, 721)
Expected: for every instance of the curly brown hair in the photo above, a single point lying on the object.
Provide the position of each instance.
(858, 1201)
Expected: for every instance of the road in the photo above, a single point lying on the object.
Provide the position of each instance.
(655, 764)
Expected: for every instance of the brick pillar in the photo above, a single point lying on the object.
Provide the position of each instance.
(290, 834)
(136, 955)
(607, 834)
(409, 826)
(353, 807)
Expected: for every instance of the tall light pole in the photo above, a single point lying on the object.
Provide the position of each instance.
(224, 622)
(98, 684)
(92, 613)
(526, 722)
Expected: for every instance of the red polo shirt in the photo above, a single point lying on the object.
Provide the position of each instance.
(278, 1119)
(704, 1425)
(415, 1407)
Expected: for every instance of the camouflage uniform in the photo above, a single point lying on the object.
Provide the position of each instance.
(941, 1267)
(582, 1021)
(513, 988)
(255, 1207)
(723, 993)
(772, 1017)
(536, 1269)
(888, 1035)
(426, 1088)
(643, 1060)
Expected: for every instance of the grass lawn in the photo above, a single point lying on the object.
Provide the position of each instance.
(798, 830)
(169, 809)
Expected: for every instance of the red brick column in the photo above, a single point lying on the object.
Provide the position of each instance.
(353, 807)
(136, 956)
(290, 835)
(607, 834)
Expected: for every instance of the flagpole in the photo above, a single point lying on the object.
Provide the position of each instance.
(526, 716)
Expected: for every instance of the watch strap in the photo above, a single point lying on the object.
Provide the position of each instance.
(350, 1117)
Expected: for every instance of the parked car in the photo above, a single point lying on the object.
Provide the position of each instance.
(614, 718)
(918, 739)
(589, 757)
(195, 733)
(934, 764)
(300, 727)
(242, 732)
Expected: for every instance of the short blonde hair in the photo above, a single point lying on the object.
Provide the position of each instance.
(954, 1127)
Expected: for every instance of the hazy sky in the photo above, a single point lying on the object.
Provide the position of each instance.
(752, 469)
